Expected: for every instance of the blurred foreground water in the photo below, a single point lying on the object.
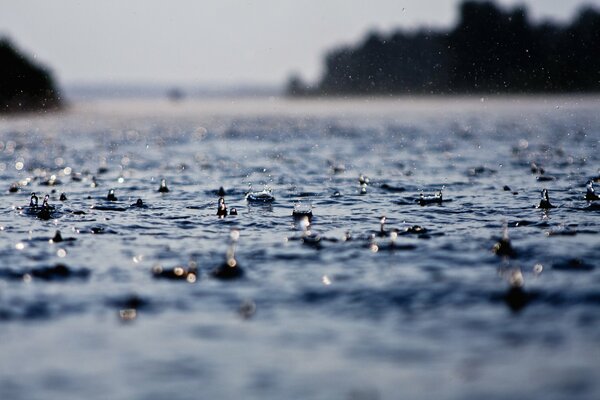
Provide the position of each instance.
(330, 310)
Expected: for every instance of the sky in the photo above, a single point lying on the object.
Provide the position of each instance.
(215, 42)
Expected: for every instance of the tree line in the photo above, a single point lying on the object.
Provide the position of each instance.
(490, 50)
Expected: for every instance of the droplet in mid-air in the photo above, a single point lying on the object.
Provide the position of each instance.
(111, 195)
(33, 201)
(503, 247)
(590, 194)
(301, 211)
(230, 269)
(545, 201)
(163, 186)
(221, 208)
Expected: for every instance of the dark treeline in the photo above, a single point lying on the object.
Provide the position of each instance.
(490, 50)
(24, 86)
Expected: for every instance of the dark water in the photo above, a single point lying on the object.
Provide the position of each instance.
(340, 315)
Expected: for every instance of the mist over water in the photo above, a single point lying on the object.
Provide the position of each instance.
(331, 310)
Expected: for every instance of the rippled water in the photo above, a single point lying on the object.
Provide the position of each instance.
(349, 316)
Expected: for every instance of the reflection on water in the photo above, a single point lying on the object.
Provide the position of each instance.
(405, 284)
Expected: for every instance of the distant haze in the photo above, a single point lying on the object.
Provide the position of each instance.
(214, 43)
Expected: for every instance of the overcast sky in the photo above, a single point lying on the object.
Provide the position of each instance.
(214, 42)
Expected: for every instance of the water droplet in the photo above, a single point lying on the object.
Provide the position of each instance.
(128, 314)
(516, 278)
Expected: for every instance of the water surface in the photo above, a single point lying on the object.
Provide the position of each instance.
(350, 317)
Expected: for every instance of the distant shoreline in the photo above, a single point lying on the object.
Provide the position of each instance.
(79, 91)
(288, 106)
(284, 106)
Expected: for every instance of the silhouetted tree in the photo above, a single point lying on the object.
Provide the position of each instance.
(296, 86)
(24, 86)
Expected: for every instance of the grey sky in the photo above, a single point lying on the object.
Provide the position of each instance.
(214, 41)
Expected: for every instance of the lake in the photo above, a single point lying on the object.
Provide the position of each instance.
(128, 305)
